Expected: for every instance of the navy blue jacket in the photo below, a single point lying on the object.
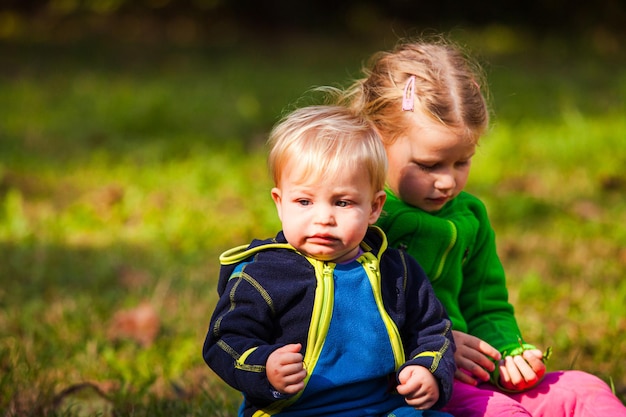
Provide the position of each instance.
(271, 295)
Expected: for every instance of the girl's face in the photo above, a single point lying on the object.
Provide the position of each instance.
(429, 165)
(327, 219)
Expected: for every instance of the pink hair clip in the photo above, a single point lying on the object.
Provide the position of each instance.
(408, 100)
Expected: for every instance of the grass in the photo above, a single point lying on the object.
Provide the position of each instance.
(126, 169)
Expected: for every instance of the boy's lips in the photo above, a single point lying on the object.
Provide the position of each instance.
(323, 239)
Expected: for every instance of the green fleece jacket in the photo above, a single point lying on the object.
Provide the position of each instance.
(456, 247)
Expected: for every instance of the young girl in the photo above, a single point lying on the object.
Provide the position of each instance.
(426, 101)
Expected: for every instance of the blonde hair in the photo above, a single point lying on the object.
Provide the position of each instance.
(324, 141)
(447, 90)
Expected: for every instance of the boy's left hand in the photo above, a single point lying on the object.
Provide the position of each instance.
(418, 386)
(521, 372)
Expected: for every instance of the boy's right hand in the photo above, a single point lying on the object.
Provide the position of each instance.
(285, 369)
(474, 358)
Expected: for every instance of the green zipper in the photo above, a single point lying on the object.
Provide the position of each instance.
(444, 257)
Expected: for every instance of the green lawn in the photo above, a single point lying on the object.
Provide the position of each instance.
(126, 169)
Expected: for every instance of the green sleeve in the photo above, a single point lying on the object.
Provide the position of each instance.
(484, 295)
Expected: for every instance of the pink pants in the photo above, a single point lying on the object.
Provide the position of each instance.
(559, 394)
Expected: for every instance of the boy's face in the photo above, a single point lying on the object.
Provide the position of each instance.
(326, 219)
(429, 166)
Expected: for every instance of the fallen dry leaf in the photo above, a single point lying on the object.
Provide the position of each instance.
(141, 324)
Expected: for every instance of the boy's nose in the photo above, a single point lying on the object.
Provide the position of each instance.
(324, 215)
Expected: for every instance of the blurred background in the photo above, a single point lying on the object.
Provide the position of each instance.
(132, 154)
(189, 20)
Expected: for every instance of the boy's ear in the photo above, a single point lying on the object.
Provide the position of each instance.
(277, 197)
(377, 206)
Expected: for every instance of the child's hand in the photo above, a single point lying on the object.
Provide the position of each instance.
(521, 372)
(473, 358)
(418, 386)
(285, 369)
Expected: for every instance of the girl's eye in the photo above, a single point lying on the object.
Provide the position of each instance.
(427, 168)
(342, 203)
(304, 202)
(462, 163)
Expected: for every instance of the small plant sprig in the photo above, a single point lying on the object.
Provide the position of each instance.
(547, 354)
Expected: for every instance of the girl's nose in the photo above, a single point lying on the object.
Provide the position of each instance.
(445, 181)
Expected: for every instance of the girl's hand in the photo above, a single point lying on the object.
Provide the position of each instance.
(474, 358)
(418, 386)
(521, 372)
(285, 369)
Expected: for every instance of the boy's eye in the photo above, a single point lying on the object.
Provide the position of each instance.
(342, 203)
(303, 202)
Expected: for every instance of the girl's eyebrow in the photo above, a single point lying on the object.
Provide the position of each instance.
(426, 160)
